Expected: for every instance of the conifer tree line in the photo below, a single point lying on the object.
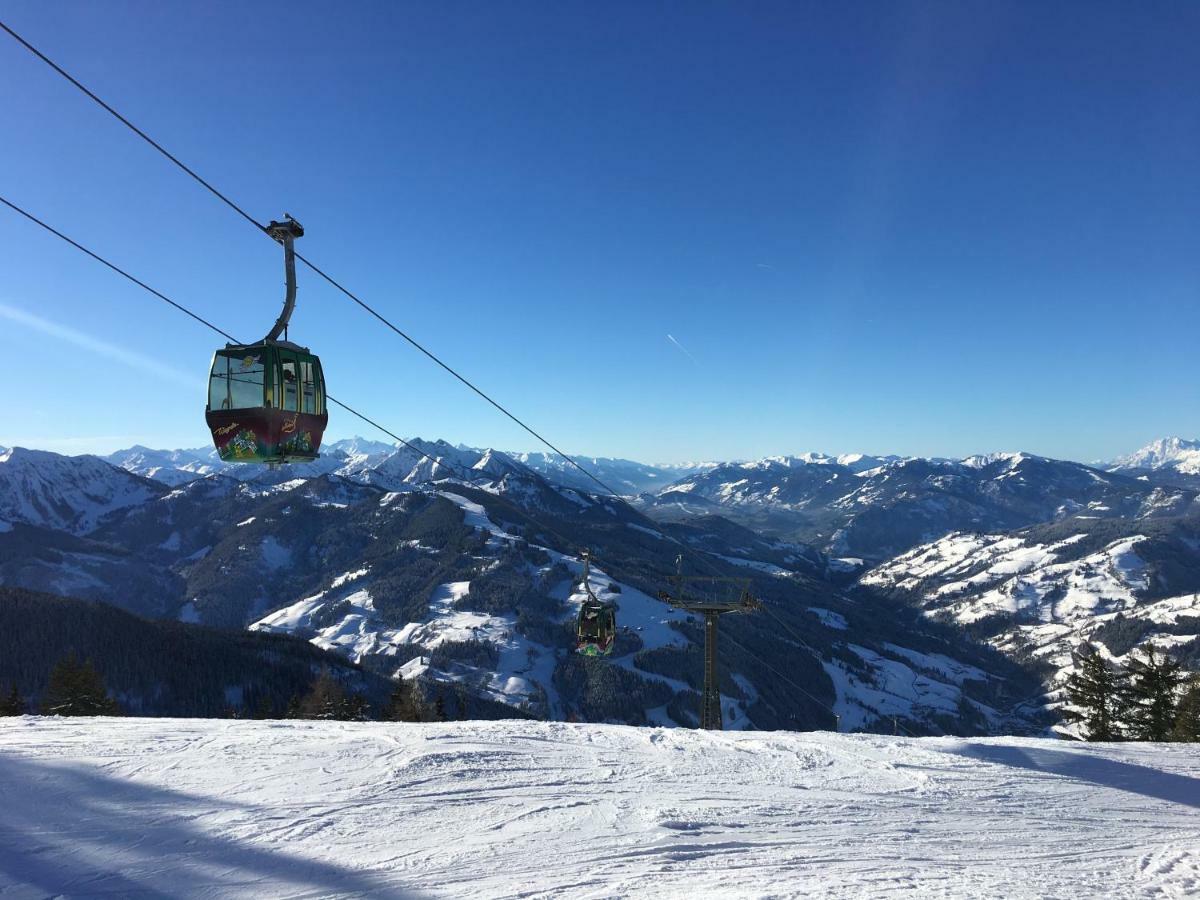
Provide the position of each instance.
(163, 668)
(327, 699)
(77, 689)
(12, 703)
(1151, 698)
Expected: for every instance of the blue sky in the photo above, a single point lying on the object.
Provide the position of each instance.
(926, 228)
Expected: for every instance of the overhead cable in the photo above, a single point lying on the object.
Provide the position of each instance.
(313, 266)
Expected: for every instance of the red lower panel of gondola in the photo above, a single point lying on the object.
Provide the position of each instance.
(266, 435)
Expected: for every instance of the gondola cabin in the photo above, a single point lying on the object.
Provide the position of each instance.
(266, 403)
(596, 628)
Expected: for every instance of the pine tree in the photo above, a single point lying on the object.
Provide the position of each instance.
(13, 704)
(325, 699)
(404, 704)
(264, 709)
(1187, 714)
(461, 698)
(1096, 690)
(293, 708)
(1152, 693)
(76, 689)
(356, 708)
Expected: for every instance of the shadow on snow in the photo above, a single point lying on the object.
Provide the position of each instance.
(70, 829)
(1084, 765)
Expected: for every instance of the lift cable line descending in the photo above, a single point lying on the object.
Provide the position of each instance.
(100, 259)
(801, 642)
(815, 699)
(311, 265)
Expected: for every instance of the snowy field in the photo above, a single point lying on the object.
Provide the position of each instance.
(195, 808)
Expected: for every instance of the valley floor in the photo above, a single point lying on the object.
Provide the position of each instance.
(200, 808)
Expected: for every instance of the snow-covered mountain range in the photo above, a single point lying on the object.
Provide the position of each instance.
(466, 569)
(853, 506)
(474, 580)
(1169, 455)
(875, 508)
(66, 493)
(355, 457)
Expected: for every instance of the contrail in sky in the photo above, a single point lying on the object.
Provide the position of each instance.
(101, 348)
(683, 348)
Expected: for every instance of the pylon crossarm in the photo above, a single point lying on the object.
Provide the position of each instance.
(704, 606)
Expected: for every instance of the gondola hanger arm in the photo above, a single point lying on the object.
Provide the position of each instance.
(285, 232)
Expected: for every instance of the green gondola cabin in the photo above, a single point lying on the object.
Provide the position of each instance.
(266, 403)
(596, 628)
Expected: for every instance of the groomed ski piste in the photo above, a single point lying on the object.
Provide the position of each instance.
(215, 808)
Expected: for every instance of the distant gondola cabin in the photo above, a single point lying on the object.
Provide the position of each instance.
(595, 628)
(266, 403)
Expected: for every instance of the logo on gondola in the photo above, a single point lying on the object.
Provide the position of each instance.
(225, 429)
(249, 361)
(243, 445)
(290, 425)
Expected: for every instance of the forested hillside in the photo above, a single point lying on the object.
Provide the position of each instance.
(161, 668)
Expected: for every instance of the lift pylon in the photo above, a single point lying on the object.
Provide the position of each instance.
(687, 598)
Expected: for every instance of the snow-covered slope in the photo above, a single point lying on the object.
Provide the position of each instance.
(68, 493)
(1044, 592)
(520, 670)
(515, 652)
(192, 808)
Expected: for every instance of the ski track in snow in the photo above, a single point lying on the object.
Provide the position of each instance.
(213, 808)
